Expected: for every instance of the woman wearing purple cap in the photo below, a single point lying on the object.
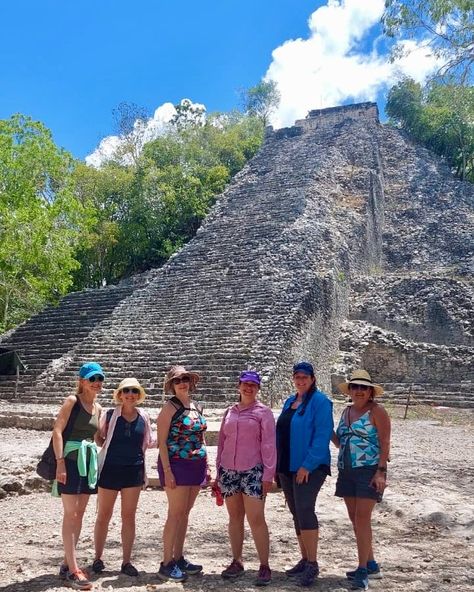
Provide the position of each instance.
(304, 430)
(74, 436)
(246, 461)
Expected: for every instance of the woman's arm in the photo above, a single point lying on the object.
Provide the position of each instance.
(101, 433)
(163, 425)
(335, 439)
(58, 445)
(221, 441)
(381, 421)
(268, 449)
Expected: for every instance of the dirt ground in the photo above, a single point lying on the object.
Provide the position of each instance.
(424, 528)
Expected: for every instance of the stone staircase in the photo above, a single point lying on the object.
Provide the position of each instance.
(274, 273)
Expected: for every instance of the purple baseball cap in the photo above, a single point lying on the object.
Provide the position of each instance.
(250, 376)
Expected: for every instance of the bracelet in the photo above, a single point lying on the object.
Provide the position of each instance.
(382, 469)
(167, 469)
(60, 458)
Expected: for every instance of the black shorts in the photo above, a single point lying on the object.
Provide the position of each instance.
(121, 476)
(356, 483)
(75, 484)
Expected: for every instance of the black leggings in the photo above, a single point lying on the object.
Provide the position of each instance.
(301, 499)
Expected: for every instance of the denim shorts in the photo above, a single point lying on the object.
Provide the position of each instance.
(246, 482)
(356, 483)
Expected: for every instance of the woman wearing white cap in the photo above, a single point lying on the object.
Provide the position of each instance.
(363, 438)
(126, 434)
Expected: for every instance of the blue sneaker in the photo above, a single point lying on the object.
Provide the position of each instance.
(188, 567)
(171, 571)
(309, 574)
(360, 581)
(373, 572)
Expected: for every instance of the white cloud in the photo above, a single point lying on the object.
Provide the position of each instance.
(331, 67)
(143, 132)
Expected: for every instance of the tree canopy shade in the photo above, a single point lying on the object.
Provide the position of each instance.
(441, 117)
(447, 26)
(40, 219)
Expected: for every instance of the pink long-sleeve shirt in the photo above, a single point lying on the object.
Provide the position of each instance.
(247, 438)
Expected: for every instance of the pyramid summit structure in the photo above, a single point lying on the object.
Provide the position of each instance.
(340, 242)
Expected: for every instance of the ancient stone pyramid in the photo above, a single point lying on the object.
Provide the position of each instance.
(341, 242)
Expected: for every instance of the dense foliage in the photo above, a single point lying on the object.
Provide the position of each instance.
(65, 225)
(41, 220)
(447, 27)
(441, 117)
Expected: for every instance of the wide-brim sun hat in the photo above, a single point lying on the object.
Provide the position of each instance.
(178, 372)
(361, 377)
(129, 383)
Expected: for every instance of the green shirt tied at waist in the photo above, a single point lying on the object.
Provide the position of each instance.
(81, 448)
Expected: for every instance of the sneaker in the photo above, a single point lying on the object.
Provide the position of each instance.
(98, 566)
(78, 580)
(188, 567)
(129, 570)
(373, 572)
(310, 573)
(171, 571)
(360, 581)
(264, 576)
(235, 570)
(296, 569)
(63, 571)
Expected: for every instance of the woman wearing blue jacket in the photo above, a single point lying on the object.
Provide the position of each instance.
(304, 431)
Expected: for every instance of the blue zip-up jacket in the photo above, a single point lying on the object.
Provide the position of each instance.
(310, 433)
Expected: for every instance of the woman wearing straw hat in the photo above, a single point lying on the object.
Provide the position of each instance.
(363, 438)
(126, 434)
(182, 467)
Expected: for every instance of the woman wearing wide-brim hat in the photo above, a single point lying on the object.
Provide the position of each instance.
(182, 467)
(126, 434)
(363, 438)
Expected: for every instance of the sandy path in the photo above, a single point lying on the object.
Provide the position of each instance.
(424, 528)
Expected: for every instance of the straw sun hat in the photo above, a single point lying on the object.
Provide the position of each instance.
(129, 383)
(360, 377)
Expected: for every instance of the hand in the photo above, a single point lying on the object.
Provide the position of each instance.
(61, 474)
(169, 479)
(379, 481)
(266, 487)
(302, 476)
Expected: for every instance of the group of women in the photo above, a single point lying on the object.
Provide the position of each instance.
(253, 451)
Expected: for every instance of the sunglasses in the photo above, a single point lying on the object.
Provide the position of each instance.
(130, 391)
(180, 380)
(96, 378)
(358, 387)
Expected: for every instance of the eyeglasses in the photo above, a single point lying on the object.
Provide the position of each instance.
(96, 378)
(358, 387)
(180, 380)
(132, 391)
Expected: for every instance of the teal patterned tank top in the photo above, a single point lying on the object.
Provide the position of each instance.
(359, 442)
(186, 436)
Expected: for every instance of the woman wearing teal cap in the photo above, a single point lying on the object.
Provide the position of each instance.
(74, 435)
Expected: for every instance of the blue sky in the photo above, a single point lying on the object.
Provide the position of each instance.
(68, 64)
